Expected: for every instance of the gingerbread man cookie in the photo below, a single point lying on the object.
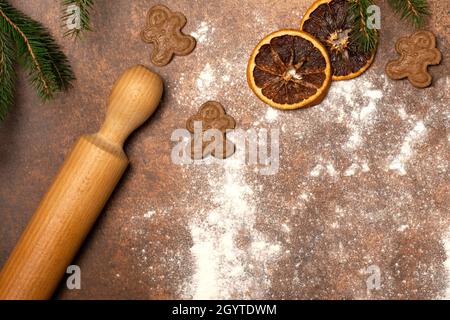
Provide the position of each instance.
(211, 116)
(417, 52)
(163, 30)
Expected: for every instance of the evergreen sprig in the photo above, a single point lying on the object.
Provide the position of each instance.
(7, 74)
(366, 38)
(85, 7)
(31, 44)
(416, 11)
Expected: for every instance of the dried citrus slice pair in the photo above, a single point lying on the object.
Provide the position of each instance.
(291, 69)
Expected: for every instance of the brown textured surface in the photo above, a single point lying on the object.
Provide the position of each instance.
(330, 216)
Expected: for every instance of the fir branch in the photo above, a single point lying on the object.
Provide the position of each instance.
(7, 74)
(416, 11)
(85, 7)
(47, 66)
(366, 38)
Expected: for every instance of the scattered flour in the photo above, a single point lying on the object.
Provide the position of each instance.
(211, 81)
(149, 214)
(271, 115)
(325, 167)
(364, 117)
(225, 269)
(355, 102)
(285, 228)
(315, 172)
(365, 167)
(202, 32)
(351, 170)
(304, 196)
(361, 166)
(402, 113)
(407, 151)
(205, 79)
(331, 170)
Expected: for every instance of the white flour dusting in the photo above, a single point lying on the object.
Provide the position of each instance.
(354, 168)
(402, 113)
(271, 115)
(202, 32)
(149, 214)
(402, 228)
(315, 172)
(351, 170)
(225, 268)
(205, 79)
(364, 116)
(331, 170)
(407, 151)
(355, 103)
(211, 80)
(365, 167)
(328, 168)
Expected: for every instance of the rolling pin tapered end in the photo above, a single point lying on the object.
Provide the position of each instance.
(134, 98)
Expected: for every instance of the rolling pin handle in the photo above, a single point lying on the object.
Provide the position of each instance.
(134, 98)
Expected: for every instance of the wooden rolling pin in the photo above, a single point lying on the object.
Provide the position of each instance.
(79, 192)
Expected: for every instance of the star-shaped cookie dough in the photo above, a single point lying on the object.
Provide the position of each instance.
(212, 116)
(417, 52)
(163, 30)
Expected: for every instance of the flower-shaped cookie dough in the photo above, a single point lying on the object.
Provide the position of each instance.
(417, 52)
(163, 30)
(211, 116)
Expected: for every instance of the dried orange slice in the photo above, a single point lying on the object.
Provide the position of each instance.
(330, 22)
(289, 69)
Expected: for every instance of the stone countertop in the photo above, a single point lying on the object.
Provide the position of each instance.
(362, 187)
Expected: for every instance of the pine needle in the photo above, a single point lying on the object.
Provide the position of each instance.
(366, 38)
(85, 7)
(48, 68)
(7, 74)
(416, 11)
